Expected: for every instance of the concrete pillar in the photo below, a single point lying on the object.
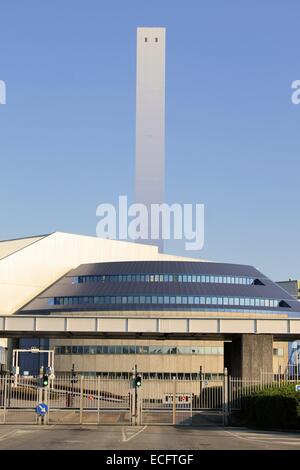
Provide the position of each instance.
(249, 354)
(12, 343)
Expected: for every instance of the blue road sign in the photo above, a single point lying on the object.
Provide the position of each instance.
(41, 409)
(297, 388)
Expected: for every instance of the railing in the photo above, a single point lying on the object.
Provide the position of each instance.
(105, 400)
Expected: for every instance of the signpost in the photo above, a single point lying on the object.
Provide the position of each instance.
(41, 409)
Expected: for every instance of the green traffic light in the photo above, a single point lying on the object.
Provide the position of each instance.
(45, 381)
(138, 381)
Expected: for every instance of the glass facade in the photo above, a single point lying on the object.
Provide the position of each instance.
(166, 300)
(140, 349)
(199, 278)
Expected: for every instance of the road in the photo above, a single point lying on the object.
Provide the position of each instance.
(56, 437)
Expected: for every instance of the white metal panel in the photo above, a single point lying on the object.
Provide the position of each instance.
(173, 325)
(295, 326)
(50, 323)
(82, 324)
(205, 325)
(143, 325)
(108, 324)
(19, 323)
(272, 326)
(237, 326)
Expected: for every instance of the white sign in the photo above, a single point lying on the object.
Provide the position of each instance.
(297, 388)
(180, 398)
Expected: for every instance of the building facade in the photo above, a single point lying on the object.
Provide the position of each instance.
(152, 289)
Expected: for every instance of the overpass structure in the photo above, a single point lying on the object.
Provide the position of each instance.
(131, 327)
(248, 342)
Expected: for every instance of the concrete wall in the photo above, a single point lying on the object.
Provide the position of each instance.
(150, 363)
(145, 362)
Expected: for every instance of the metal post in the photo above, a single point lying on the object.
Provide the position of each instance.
(138, 408)
(5, 398)
(46, 401)
(225, 398)
(81, 399)
(279, 375)
(201, 385)
(135, 396)
(40, 400)
(98, 406)
(174, 400)
(16, 369)
(132, 410)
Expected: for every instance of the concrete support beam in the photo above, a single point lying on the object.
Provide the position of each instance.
(248, 355)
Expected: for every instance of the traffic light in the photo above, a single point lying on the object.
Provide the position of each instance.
(138, 380)
(45, 380)
(74, 377)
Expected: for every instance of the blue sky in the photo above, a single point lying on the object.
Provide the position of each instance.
(233, 141)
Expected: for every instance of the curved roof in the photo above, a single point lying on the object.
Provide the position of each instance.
(69, 286)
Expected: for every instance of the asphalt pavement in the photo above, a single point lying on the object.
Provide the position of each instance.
(56, 437)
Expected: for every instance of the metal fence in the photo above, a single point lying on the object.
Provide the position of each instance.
(86, 400)
(100, 400)
(181, 402)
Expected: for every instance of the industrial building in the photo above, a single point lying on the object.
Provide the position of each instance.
(60, 274)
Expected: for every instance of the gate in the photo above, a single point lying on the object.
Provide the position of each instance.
(183, 402)
(89, 401)
(116, 401)
(69, 401)
(18, 400)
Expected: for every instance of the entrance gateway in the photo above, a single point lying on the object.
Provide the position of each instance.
(83, 400)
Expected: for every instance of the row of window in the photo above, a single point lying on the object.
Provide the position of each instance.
(148, 375)
(133, 349)
(165, 278)
(165, 300)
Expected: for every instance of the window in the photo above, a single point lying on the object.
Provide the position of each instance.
(156, 39)
(146, 39)
(167, 299)
(140, 349)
